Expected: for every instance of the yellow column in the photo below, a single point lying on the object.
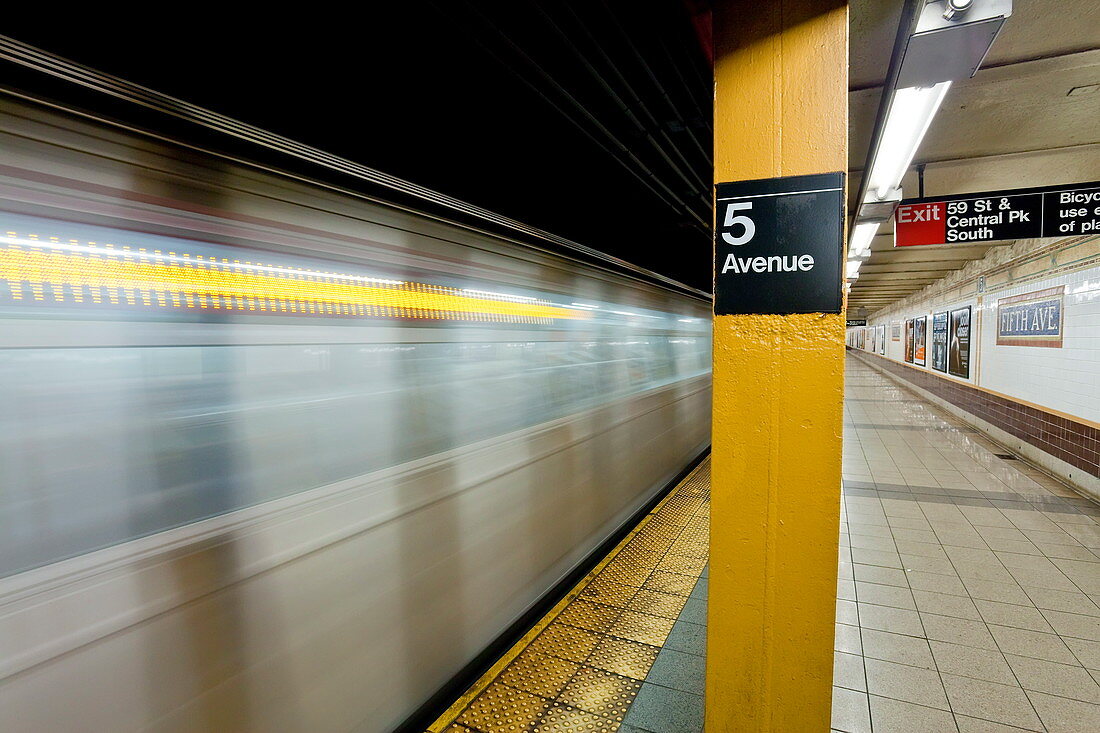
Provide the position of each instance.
(780, 109)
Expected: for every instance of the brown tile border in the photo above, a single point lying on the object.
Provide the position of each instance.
(1068, 440)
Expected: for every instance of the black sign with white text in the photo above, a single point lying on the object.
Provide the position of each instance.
(778, 245)
(1024, 213)
(852, 322)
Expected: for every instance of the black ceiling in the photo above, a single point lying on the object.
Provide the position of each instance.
(590, 119)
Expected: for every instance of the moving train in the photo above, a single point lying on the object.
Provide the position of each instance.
(276, 457)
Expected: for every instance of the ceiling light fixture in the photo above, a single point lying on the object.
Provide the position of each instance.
(910, 115)
(938, 41)
(956, 7)
(860, 241)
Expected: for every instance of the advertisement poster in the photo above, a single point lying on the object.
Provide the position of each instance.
(919, 339)
(874, 340)
(859, 338)
(882, 339)
(939, 342)
(909, 340)
(1031, 319)
(958, 355)
(895, 331)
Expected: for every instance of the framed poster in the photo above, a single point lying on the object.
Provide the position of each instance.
(939, 342)
(895, 331)
(882, 339)
(958, 353)
(909, 340)
(919, 339)
(874, 340)
(1031, 319)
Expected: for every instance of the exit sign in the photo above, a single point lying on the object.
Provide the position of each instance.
(1028, 213)
(920, 224)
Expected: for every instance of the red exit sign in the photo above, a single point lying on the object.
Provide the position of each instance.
(999, 216)
(916, 224)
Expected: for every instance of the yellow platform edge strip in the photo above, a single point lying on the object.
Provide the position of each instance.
(451, 714)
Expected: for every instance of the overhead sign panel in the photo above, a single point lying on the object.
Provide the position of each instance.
(778, 245)
(1026, 213)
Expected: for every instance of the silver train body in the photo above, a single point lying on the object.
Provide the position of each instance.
(277, 458)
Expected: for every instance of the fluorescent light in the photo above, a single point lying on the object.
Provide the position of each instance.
(862, 234)
(853, 269)
(911, 112)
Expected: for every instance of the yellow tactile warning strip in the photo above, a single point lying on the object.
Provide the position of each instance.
(581, 666)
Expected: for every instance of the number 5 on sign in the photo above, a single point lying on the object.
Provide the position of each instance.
(732, 219)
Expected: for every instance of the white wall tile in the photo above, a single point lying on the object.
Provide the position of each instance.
(1065, 379)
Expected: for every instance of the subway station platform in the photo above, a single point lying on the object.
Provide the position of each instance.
(968, 598)
(969, 588)
(337, 423)
(624, 650)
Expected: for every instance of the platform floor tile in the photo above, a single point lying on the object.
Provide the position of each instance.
(968, 598)
(620, 631)
(969, 585)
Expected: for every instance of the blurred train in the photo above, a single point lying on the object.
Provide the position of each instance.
(277, 458)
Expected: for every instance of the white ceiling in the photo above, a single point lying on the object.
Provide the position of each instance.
(1011, 126)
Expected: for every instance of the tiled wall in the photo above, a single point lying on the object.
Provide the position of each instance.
(1048, 396)
(1066, 379)
(1068, 440)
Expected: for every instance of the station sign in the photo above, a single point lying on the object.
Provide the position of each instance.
(1031, 319)
(778, 245)
(853, 322)
(1025, 213)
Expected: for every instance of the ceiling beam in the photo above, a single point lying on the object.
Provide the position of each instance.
(894, 267)
(1086, 55)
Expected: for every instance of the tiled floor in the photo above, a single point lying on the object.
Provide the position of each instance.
(969, 585)
(968, 599)
(628, 634)
(671, 698)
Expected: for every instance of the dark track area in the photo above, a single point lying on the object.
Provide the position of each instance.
(602, 107)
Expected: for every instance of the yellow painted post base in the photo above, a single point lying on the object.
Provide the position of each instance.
(775, 514)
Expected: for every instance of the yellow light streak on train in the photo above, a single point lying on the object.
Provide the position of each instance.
(41, 270)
